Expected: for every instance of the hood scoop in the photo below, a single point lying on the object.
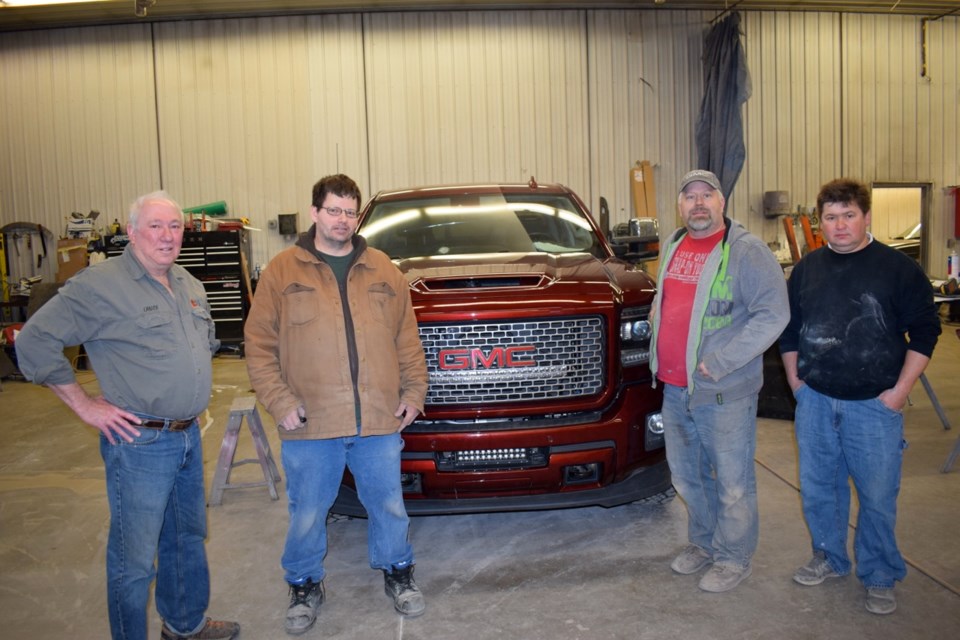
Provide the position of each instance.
(504, 281)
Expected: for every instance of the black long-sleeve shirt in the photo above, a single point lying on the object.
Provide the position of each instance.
(851, 315)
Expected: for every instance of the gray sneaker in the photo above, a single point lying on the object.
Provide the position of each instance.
(815, 571)
(691, 560)
(881, 601)
(724, 576)
(305, 601)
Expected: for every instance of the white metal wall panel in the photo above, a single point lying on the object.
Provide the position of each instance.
(78, 131)
(792, 120)
(899, 126)
(337, 100)
(477, 96)
(939, 133)
(645, 81)
(255, 111)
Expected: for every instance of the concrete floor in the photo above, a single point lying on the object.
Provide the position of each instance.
(573, 574)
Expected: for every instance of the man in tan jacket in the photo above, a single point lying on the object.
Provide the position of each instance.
(334, 355)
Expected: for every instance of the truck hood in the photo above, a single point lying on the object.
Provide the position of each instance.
(543, 280)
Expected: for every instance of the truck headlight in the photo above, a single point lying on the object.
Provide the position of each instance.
(653, 438)
(638, 330)
(635, 332)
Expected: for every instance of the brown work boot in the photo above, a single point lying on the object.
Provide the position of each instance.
(212, 630)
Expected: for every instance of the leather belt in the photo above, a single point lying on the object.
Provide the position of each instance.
(172, 425)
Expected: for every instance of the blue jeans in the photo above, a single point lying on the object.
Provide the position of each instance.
(157, 513)
(314, 469)
(863, 440)
(710, 451)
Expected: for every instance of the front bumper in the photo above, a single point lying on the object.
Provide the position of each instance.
(642, 483)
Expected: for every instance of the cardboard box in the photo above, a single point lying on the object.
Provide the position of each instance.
(71, 257)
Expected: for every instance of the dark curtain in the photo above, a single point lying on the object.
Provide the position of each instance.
(719, 133)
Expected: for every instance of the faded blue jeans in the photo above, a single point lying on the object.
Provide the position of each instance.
(710, 450)
(314, 469)
(157, 513)
(863, 440)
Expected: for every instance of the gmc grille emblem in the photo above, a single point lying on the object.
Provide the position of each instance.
(501, 357)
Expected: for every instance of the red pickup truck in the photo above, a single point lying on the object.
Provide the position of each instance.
(537, 344)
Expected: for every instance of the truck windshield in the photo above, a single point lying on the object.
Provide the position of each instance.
(488, 223)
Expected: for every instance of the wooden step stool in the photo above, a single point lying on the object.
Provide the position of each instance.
(246, 406)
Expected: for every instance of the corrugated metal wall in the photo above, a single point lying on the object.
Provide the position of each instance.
(477, 96)
(900, 126)
(842, 95)
(791, 121)
(78, 126)
(644, 100)
(253, 111)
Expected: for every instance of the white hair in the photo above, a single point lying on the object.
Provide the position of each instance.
(137, 206)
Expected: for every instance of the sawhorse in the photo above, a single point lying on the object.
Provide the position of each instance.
(952, 457)
(246, 406)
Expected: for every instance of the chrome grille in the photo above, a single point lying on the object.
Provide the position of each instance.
(503, 362)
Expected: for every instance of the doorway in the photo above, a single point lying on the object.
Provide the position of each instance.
(901, 218)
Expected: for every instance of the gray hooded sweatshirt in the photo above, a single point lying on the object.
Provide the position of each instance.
(739, 310)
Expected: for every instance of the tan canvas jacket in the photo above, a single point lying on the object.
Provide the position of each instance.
(298, 348)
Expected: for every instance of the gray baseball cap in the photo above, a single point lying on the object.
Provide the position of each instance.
(700, 175)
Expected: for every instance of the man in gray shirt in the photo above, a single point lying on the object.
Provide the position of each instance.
(147, 330)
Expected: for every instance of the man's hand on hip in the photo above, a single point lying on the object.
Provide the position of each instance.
(107, 418)
(110, 420)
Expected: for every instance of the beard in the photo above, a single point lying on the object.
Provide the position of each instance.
(699, 223)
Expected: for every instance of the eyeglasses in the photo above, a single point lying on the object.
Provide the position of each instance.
(334, 212)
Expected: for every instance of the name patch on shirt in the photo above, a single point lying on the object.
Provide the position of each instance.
(154, 307)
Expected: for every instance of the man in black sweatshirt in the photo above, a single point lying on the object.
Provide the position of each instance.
(862, 329)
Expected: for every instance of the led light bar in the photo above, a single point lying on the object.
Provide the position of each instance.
(514, 457)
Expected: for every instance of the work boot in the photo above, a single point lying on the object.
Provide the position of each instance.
(212, 630)
(399, 585)
(305, 601)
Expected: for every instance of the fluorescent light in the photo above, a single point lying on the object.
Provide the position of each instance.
(37, 3)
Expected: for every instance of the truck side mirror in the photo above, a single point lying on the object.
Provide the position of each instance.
(639, 237)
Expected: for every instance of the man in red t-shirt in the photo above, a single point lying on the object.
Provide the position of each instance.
(722, 303)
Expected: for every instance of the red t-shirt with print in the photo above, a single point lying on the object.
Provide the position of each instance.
(678, 288)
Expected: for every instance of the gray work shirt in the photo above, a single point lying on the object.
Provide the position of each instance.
(151, 351)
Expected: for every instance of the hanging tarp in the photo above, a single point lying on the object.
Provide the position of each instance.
(726, 86)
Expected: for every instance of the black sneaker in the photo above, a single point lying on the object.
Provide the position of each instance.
(400, 586)
(305, 601)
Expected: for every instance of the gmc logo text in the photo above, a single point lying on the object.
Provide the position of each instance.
(455, 359)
